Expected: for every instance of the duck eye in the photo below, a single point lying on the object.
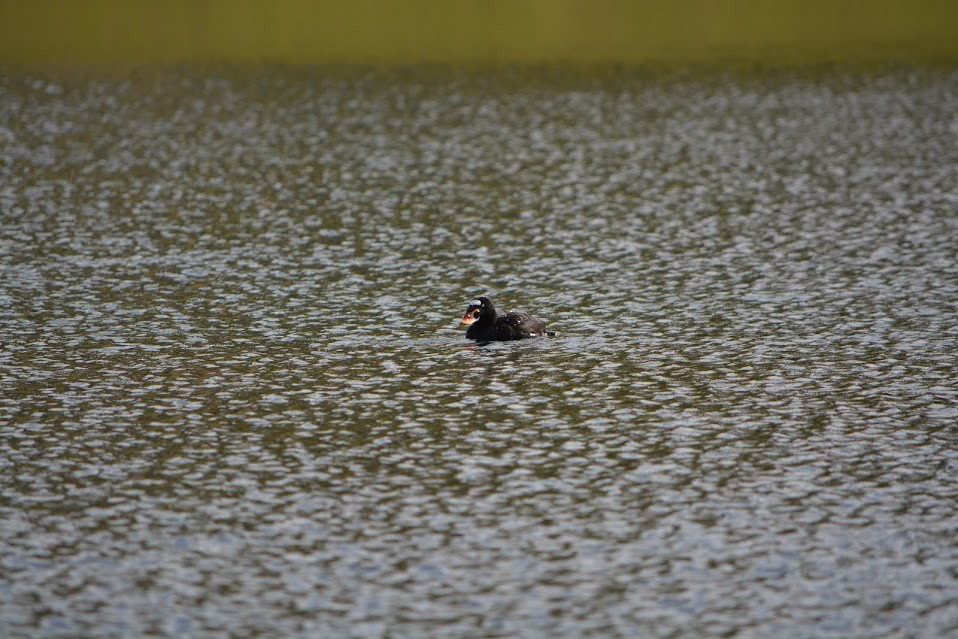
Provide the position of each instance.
(476, 314)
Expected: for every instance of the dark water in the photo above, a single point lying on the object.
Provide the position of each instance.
(234, 400)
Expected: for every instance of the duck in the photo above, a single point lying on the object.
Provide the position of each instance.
(487, 325)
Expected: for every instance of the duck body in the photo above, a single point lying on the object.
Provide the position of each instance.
(487, 325)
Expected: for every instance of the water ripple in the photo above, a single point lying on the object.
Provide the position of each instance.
(234, 398)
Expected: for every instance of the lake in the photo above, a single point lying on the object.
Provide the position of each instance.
(234, 399)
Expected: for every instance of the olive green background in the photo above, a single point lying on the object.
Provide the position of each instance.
(476, 31)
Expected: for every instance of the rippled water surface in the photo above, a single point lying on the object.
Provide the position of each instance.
(234, 400)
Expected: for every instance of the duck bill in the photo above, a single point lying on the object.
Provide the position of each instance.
(467, 319)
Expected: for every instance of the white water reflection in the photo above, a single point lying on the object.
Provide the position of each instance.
(234, 399)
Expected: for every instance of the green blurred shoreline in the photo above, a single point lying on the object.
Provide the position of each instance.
(473, 32)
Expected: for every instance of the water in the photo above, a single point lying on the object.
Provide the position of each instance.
(235, 401)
